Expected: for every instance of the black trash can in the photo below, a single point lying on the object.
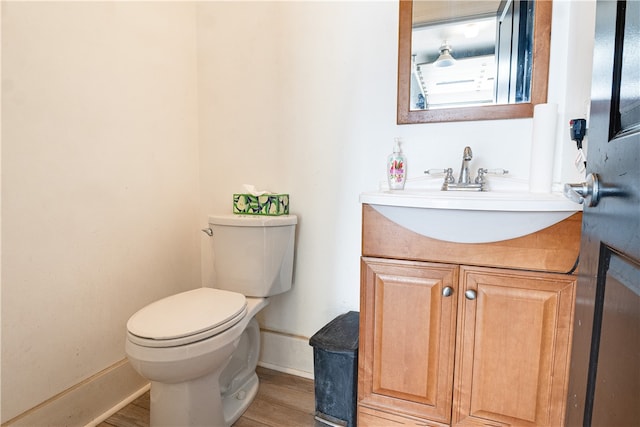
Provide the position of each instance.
(335, 366)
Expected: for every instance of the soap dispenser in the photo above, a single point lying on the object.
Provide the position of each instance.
(397, 167)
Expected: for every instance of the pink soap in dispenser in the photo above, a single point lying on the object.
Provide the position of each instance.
(397, 167)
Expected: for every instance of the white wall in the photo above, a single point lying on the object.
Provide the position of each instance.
(299, 97)
(301, 103)
(126, 124)
(100, 183)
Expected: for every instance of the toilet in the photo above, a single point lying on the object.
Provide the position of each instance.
(199, 348)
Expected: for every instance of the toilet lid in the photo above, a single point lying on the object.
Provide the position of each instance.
(188, 314)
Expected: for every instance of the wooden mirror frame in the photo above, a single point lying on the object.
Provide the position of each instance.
(539, 75)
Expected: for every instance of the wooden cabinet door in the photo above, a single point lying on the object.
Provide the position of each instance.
(407, 334)
(514, 331)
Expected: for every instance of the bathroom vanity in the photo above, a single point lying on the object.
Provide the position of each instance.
(464, 333)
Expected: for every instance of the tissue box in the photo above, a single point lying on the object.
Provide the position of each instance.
(267, 204)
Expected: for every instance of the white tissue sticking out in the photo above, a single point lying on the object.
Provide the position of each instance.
(251, 189)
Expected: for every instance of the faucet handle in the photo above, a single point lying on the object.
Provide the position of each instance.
(448, 178)
(435, 171)
(480, 179)
(448, 174)
(495, 171)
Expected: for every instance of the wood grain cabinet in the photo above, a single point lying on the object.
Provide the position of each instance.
(445, 340)
(409, 348)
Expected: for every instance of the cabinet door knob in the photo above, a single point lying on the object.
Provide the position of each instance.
(447, 291)
(470, 294)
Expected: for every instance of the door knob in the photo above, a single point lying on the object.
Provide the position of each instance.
(591, 191)
(470, 294)
(588, 191)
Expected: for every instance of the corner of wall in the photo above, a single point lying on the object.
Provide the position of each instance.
(287, 353)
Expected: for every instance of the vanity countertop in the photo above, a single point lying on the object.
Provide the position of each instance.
(470, 200)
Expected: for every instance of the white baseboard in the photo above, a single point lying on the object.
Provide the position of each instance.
(119, 406)
(297, 373)
(87, 401)
(286, 353)
(100, 396)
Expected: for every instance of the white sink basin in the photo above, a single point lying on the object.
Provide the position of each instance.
(471, 217)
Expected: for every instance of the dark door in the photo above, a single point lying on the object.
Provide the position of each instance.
(604, 388)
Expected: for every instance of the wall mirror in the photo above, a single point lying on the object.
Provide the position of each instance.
(464, 60)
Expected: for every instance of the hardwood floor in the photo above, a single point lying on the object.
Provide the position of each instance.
(282, 400)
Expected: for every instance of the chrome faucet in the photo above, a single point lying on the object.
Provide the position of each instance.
(465, 182)
(465, 177)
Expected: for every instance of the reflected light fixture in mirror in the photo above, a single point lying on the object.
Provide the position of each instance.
(445, 59)
(435, 107)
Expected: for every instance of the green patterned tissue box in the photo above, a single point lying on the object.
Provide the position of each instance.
(267, 204)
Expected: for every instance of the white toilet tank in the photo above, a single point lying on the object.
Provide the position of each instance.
(253, 255)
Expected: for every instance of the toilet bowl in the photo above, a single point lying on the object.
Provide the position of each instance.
(185, 369)
(199, 348)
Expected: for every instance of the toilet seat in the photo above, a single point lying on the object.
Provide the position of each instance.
(186, 317)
